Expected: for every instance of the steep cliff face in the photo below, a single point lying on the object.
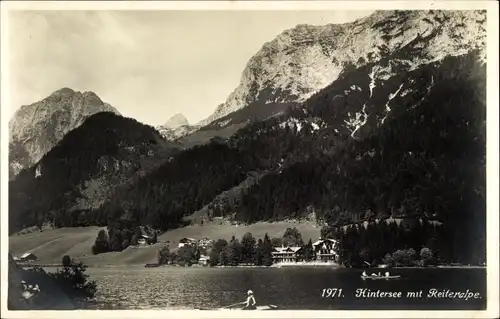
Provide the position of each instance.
(176, 121)
(305, 59)
(36, 128)
(177, 126)
(423, 69)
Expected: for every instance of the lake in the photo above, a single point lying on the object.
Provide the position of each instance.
(289, 288)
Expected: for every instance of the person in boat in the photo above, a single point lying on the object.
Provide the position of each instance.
(364, 274)
(387, 274)
(250, 303)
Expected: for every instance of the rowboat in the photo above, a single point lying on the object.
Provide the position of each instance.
(265, 307)
(380, 277)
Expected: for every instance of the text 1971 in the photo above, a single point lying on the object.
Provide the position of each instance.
(331, 293)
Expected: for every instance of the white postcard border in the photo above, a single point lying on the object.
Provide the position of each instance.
(492, 150)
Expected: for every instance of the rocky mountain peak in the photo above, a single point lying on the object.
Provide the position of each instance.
(302, 60)
(38, 127)
(63, 92)
(176, 121)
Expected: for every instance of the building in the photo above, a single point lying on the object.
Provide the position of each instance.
(145, 239)
(204, 260)
(26, 257)
(187, 242)
(147, 236)
(326, 250)
(205, 242)
(287, 254)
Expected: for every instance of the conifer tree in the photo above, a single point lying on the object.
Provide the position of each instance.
(267, 257)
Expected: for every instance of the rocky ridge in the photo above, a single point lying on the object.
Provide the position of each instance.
(305, 59)
(177, 126)
(36, 128)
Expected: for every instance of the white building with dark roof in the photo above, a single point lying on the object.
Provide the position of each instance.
(26, 257)
(287, 254)
(326, 250)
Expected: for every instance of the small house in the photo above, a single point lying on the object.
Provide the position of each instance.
(26, 257)
(147, 235)
(187, 242)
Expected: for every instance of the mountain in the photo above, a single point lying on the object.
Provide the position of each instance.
(36, 128)
(430, 144)
(416, 150)
(176, 127)
(426, 158)
(400, 135)
(305, 59)
(176, 121)
(81, 171)
(301, 61)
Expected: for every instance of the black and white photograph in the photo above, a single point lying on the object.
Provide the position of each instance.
(311, 158)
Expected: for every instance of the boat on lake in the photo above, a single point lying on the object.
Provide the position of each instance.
(264, 307)
(379, 276)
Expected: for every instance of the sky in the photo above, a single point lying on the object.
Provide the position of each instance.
(150, 65)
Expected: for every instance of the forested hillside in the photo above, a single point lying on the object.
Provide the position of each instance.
(79, 173)
(427, 160)
(428, 157)
(36, 128)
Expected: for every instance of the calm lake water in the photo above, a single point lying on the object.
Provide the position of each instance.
(288, 288)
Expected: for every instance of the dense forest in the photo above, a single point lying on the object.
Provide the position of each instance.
(411, 242)
(120, 235)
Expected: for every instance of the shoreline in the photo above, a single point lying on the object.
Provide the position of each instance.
(280, 265)
(307, 264)
(428, 267)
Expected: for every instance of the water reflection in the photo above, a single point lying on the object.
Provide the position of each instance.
(293, 288)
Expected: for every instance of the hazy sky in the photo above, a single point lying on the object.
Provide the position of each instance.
(150, 65)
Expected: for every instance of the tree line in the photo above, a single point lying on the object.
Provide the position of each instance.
(118, 237)
(411, 242)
